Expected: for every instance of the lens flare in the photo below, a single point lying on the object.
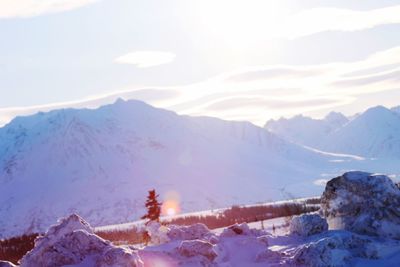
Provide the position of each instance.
(171, 205)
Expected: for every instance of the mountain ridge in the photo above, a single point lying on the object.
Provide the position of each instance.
(101, 162)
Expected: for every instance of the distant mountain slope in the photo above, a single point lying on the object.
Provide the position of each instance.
(396, 109)
(305, 130)
(374, 133)
(100, 163)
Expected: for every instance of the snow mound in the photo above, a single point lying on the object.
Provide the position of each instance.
(324, 252)
(194, 231)
(363, 203)
(6, 264)
(241, 229)
(72, 242)
(308, 224)
(268, 256)
(192, 248)
(158, 233)
(338, 249)
(119, 257)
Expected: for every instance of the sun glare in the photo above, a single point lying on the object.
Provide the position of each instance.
(171, 211)
(239, 22)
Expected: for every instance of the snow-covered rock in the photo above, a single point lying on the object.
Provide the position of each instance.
(324, 252)
(341, 248)
(191, 232)
(119, 257)
(364, 203)
(192, 248)
(308, 224)
(158, 233)
(72, 243)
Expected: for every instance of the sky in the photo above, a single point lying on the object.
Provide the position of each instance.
(233, 59)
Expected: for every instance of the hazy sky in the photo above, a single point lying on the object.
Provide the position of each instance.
(234, 59)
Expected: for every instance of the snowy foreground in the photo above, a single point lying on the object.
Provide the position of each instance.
(358, 225)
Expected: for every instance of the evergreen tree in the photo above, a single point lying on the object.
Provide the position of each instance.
(153, 207)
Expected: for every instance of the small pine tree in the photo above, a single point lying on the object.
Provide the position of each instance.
(153, 207)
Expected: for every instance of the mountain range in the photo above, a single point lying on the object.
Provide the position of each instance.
(100, 163)
(374, 133)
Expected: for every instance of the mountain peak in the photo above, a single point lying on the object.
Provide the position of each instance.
(377, 113)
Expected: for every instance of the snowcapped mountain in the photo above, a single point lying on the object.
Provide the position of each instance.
(100, 163)
(396, 109)
(373, 133)
(305, 130)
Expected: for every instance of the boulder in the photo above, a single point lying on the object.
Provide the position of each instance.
(363, 203)
(308, 224)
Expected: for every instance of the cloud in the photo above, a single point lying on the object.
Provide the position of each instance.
(273, 72)
(271, 103)
(155, 96)
(31, 8)
(263, 92)
(318, 20)
(145, 59)
(370, 79)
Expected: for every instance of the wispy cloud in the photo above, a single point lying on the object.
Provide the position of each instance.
(259, 93)
(260, 73)
(156, 96)
(31, 8)
(145, 59)
(318, 20)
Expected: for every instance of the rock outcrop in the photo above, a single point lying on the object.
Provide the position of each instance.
(363, 203)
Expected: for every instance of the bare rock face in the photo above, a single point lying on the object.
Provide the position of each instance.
(363, 203)
(308, 224)
(72, 242)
